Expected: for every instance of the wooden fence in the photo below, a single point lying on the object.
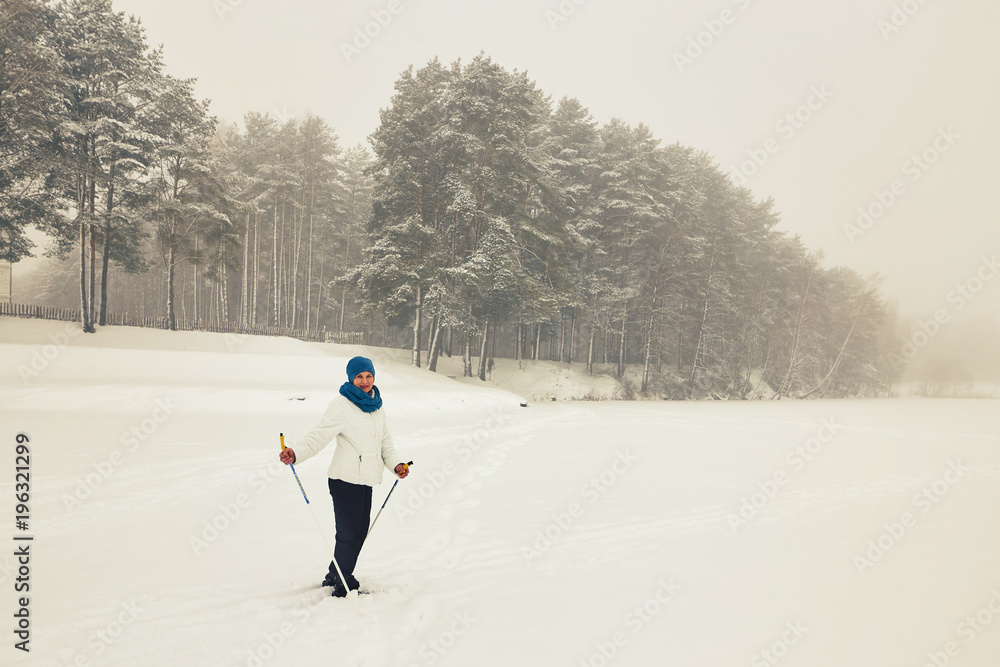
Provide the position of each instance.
(130, 320)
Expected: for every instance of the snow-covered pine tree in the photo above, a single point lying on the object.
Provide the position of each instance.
(500, 193)
(254, 156)
(189, 193)
(563, 247)
(626, 213)
(408, 249)
(320, 196)
(106, 75)
(30, 95)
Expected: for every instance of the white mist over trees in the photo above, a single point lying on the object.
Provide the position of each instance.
(490, 221)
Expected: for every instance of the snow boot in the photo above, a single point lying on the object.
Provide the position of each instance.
(339, 591)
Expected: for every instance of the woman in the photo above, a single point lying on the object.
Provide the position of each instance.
(354, 419)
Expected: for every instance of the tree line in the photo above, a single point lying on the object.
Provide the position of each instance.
(123, 167)
(487, 220)
(496, 210)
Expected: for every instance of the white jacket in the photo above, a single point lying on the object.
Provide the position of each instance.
(363, 443)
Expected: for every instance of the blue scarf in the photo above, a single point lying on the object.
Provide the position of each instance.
(364, 402)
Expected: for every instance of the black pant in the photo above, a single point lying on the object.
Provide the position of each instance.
(352, 509)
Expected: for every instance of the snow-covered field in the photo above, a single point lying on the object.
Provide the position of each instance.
(812, 534)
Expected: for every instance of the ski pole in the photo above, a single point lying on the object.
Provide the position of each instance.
(405, 466)
(353, 594)
(282, 435)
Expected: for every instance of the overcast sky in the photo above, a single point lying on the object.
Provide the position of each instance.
(868, 83)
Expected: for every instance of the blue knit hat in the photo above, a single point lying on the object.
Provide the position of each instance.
(359, 365)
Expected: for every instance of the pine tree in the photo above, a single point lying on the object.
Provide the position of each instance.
(499, 190)
(253, 157)
(626, 214)
(30, 83)
(189, 198)
(107, 73)
(350, 203)
(559, 249)
(406, 254)
(319, 197)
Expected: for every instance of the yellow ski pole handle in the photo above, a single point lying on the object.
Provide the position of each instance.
(292, 466)
(353, 593)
